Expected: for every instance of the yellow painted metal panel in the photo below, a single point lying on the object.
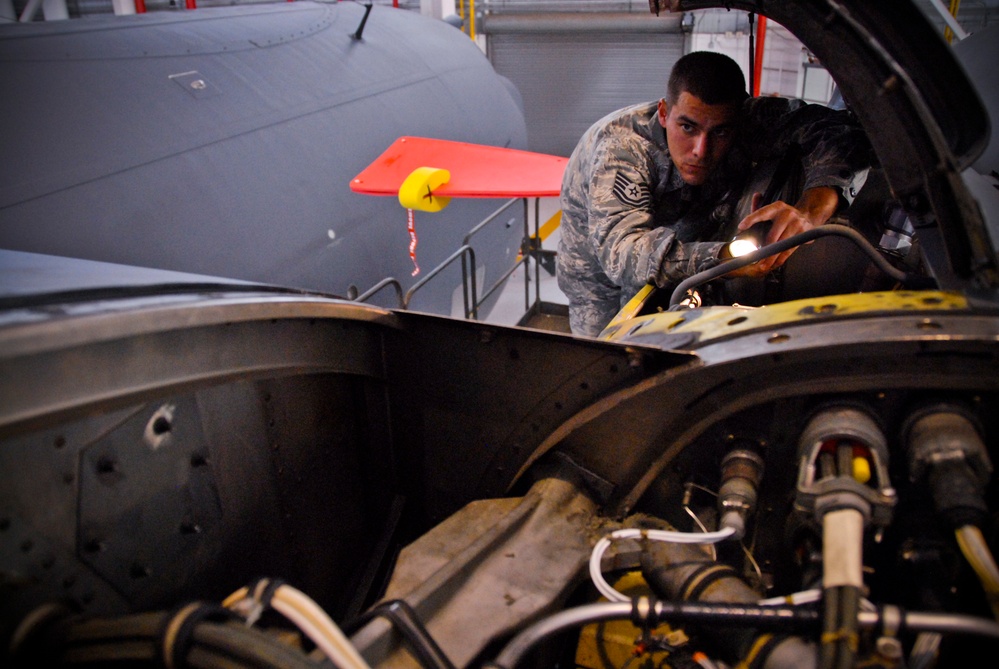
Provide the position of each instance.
(714, 322)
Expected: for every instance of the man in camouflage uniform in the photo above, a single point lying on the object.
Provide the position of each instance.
(648, 186)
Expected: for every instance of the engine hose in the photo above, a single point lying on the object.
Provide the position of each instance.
(690, 581)
(945, 447)
(138, 639)
(842, 578)
(684, 572)
(976, 551)
(830, 621)
(788, 243)
(839, 642)
(945, 623)
(645, 613)
(407, 622)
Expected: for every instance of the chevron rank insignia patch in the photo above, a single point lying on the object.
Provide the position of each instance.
(630, 193)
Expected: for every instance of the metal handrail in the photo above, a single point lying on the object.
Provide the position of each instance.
(471, 302)
(473, 313)
(502, 280)
(488, 219)
(388, 281)
(437, 270)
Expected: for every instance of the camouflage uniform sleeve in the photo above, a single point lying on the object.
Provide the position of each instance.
(835, 150)
(632, 249)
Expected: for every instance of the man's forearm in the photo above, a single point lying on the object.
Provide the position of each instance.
(685, 260)
(818, 204)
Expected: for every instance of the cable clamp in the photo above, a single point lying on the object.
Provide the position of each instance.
(260, 592)
(177, 636)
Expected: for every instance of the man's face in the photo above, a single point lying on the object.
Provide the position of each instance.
(698, 135)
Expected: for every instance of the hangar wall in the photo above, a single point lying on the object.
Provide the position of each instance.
(608, 54)
(612, 54)
(597, 72)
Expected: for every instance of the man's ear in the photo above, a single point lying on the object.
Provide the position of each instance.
(662, 111)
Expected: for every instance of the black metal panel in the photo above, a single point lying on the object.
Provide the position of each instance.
(472, 403)
(147, 499)
(128, 490)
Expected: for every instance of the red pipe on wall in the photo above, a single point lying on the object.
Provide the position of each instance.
(761, 35)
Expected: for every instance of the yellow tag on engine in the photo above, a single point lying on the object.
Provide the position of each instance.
(861, 470)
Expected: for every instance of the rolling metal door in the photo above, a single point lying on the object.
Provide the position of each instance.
(570, 78)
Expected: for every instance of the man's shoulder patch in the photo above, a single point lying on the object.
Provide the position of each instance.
(631, 193)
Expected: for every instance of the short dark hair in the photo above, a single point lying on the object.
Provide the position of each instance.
(712, 77)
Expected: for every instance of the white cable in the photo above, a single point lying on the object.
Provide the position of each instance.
(307, 616)
(668, 536)
(690, 512)
(330, 638)
(596, 574)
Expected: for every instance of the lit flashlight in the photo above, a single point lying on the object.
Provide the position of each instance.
(749, 240)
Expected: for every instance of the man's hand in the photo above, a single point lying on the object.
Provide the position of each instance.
(816, 206)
